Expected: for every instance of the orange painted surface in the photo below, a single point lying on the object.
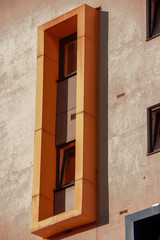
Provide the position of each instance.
(82, 20)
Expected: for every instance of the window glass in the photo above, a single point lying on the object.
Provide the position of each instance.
(154, 17)
(67, 56)
(69, 173)
(155, 130)
(70, 60)
(66, 166)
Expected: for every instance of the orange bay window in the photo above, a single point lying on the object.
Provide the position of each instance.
(64, 177)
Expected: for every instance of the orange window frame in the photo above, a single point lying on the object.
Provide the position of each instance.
(84, 21)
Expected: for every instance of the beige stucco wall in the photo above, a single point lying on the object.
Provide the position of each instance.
(134, 69)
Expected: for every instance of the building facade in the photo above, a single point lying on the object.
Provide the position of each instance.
(126, 136)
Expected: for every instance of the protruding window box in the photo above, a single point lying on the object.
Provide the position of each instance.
(50, 184)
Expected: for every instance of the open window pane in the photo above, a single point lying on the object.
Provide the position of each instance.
(69, 173)
(66, 165)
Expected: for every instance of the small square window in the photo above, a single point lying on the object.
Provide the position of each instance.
(154, 129)
(153, 18)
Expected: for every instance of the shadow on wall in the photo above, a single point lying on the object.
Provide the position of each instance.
(103, 121)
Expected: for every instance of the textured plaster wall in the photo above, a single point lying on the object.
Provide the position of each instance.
(133, 69)
(134, 178)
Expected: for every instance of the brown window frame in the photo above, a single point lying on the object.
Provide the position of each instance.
(152, 130)
(152, 20)
(59, 179)
(62, 44)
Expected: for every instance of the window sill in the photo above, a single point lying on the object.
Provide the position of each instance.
(67, 76)
(64, 186)
(151, 153)
(150, 38)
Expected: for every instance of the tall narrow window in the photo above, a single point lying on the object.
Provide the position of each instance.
(154, 129)
(154, 17)
(65, 125)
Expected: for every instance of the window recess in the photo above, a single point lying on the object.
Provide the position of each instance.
(147, 228)
(66, 91)
(153, 18)
(154, 129)
(66, 125)
(143, 225)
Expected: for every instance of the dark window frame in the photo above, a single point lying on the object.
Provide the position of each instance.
(62, 43)
(152, 135)
(151, 27)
